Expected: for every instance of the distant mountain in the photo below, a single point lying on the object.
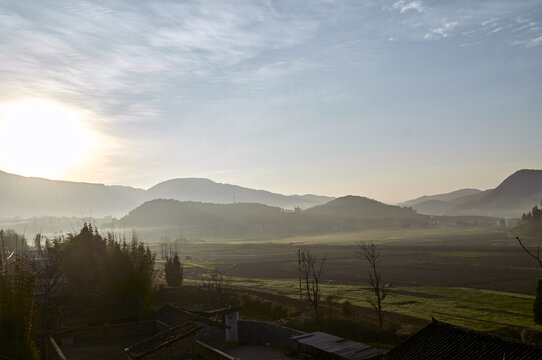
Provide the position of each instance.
(440, 197)
(29, 196)
(193, 219)
(433, 206)
(362, 207)
(204, 190)
(515, 195)
(207, 220)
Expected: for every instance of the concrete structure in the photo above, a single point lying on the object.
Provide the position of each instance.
(229, 317)
(232, 331)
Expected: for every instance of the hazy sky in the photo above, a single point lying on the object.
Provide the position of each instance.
(386, 99)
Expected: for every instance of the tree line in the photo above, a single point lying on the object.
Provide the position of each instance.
(82, 267)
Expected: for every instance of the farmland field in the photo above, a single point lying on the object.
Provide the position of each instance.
(478, 278)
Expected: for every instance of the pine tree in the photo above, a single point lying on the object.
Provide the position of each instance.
(174, 271)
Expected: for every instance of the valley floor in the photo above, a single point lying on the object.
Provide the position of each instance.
(477, 278)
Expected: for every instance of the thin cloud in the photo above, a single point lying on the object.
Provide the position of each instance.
(403, 6)
(490, 23)
(441, 32)
(110, 58)
(529, 43)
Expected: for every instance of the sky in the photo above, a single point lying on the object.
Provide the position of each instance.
(385, 99)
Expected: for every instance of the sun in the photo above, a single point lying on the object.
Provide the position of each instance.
(42, 138)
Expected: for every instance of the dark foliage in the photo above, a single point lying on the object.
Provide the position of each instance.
(256, 308)
(174, 271)
(98, 266)
(12, 241)
(531, 223)
(17, 305)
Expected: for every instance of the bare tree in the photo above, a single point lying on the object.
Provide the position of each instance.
(370, 253)
(311, 268)
(536, 256)
(216, 282)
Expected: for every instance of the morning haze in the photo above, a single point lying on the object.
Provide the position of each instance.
(277, 179)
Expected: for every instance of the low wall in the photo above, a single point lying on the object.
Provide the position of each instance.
(263, 333)
(207, 352)
(213, 336)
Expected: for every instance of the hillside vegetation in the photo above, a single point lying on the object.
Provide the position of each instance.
(195, 219)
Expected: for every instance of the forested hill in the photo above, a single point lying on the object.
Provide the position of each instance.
(194, 219)
(362, 207)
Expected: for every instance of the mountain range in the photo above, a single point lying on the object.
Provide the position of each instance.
(517, 194)
(29, 196)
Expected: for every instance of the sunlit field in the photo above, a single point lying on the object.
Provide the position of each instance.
(478, 278)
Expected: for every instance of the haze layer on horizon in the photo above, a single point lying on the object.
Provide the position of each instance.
(385, 99)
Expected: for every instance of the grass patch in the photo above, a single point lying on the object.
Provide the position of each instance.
(464, 254)
(477, 309)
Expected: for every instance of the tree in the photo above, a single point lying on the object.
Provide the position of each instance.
(17, 303)
(216, 282)
(531, 226)
(98, 266)
(370, 253)
(12, 241)
(532, 254)
(48, 272)
(310, 268)
(174, 271)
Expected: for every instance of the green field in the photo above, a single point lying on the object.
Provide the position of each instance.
(473, 277)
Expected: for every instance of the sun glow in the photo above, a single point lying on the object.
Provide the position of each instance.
(42, 138)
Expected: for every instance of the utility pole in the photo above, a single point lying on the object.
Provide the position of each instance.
(299, 273)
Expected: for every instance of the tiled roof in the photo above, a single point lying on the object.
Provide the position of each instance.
(339, 347)
(443, 341)
(101, 313)
(162, 339)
